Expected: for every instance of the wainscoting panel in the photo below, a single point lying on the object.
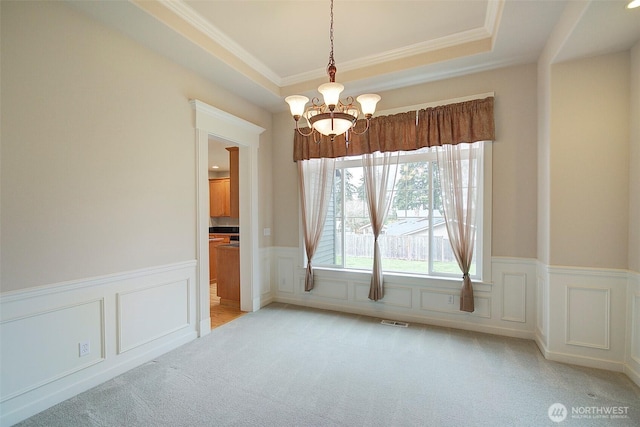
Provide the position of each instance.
(417, 299)
(482, 305)
(335, 289)
(120, 321)
(45, 346)
(285, 271)
(439, 301)
(398, 296)
(265, 270)
(632, 366)
(587, 317)
(137, 325)
(447, 302)
(635, 328)
(541, 309)
(514, 297)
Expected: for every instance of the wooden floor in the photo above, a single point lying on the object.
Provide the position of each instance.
(221, 313)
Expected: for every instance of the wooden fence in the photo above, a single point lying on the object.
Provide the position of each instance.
(411, 248)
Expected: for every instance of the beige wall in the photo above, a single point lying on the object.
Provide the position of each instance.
(514, 155)
(634, 163)
(98, 149)
(589, 149)
(265, 192)
(285, 183)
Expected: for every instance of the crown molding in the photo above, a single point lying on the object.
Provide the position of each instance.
(489, 29)
(454, 40)
(493, 17)
(196, 20)
(193, 18)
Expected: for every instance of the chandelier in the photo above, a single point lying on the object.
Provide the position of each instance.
(333, 117)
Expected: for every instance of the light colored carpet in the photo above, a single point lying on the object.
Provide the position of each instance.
(294, 366)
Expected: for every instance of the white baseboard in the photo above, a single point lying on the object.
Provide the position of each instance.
(633, 374)
(205, 327)
(419, 319)
(573, 359)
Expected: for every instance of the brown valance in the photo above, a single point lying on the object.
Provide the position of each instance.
(468, 121)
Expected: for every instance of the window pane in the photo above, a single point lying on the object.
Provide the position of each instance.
(405, 237)
(444, 261)
(414, 238)
(357, 226)
(330, 246)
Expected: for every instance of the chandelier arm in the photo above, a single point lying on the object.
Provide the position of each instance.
(353, 128)
(349, 101)
(300, 131)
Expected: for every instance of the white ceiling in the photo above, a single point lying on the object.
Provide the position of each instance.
(264, 50)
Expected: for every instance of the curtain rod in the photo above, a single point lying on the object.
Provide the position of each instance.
(433, 104)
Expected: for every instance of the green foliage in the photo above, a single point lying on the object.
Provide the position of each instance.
(412, 187)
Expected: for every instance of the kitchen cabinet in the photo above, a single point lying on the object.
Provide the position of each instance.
(219, 197)
(214, 242)
(234, 185)
(224, 193)
(228, 262)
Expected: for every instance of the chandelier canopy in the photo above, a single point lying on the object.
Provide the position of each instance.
(333, 117)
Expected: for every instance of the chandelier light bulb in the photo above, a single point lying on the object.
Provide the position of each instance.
(332, 127)
(331, 92)
(297, 104)
(633, 4)
(368, 103)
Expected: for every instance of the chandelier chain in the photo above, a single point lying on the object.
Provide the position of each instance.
(331, 67)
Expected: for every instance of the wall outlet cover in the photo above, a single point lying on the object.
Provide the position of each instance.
(85, 348)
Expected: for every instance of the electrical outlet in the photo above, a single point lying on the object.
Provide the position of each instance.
(267, 232)
(85, 347)
(450, 299)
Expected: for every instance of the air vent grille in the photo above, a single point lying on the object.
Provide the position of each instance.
(395, 323)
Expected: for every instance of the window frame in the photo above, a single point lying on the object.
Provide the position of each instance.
(483, 233)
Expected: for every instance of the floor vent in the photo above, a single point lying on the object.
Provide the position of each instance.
(395, 323)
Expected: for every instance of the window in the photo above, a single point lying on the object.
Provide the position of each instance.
(414, 238)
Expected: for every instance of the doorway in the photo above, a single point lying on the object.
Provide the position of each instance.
(211, 122)
(224, 231)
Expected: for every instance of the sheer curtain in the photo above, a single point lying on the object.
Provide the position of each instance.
(379, 172)
(457, 165)
(315, 179)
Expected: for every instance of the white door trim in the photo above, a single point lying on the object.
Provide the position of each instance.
(225, 127)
